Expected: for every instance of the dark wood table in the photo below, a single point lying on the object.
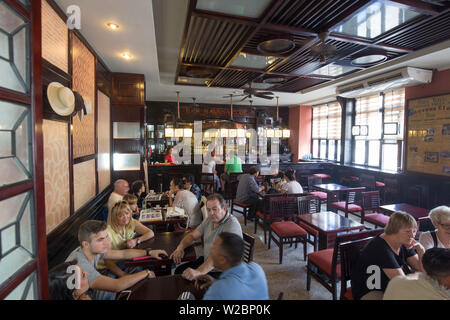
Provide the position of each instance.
(331, 188)
(166, 241)
(164, 288)
(416, 212)
(329, 224)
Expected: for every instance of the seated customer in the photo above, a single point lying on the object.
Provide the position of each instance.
(292, 186)
(439, 238)
(138, 189)
(239, 280)
(232, 165)
(132, 201)
(434, 284)
(121, 230)
(209, 166)
(95, 245)
(386, 256)
(248, 190)
(186, 200)
(58, 278)
(189, 184)
(121, 188)
(219, 220)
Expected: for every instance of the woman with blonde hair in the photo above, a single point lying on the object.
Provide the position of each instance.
(121, 228)
(390, 254)
(439, 238)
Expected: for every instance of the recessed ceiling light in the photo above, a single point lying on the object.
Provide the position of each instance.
(112, 26)
(126, 56)
(369, 59)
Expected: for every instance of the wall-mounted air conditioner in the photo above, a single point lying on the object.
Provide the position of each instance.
(403, 77)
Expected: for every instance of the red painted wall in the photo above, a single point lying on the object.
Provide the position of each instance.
(300, 121)
(440, 84)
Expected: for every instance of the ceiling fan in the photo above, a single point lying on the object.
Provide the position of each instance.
(249, 92)
(323, 50)
(194, 104)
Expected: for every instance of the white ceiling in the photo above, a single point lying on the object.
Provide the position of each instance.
(152, 31)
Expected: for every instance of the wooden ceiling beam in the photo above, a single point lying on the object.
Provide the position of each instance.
(347, 38)
(224, 17)
(290, 30)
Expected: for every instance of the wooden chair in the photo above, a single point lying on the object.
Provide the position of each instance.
(230, 188)
(391, 190)
(351, 203)
(309, 204)
(285, 209)
(264, 216)
(242, 208)
(249, 246)
(350, 252)
(371, 202)
(324, 265)
(312, 181)
(207, 183)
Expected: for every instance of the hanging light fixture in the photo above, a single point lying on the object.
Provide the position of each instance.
(277, 107)
(178, 104)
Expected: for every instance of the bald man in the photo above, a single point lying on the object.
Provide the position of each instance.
(121, 188)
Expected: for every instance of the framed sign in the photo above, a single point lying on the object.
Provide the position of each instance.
(428, 135)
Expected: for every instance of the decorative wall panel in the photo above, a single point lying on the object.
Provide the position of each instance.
(83, 183)
(83, 77)
(104, 137)
(56, 173)
(55, 38)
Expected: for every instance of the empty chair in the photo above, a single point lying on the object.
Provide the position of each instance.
(249, 245)
(371, 202)
(309, 204)
(264, 215)
(207, 183)
(312, 181)
(288, 232)
(351, 203)
(350, 252)
(391, 191)
(324, 265)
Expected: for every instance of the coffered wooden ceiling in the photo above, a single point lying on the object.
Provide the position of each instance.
(212, 41)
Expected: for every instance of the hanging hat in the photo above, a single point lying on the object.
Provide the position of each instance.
(87, 105)
(79, 105)
(61, 99)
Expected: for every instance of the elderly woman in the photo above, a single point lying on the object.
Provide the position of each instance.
(439, 238)
(121, 230)
(386, 256)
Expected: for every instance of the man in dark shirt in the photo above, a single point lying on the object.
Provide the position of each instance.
(248, 190)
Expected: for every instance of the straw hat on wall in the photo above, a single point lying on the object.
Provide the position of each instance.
(61, 99)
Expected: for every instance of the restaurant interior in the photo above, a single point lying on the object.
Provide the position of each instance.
(353, 96)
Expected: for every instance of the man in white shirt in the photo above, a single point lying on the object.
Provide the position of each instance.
(121, 188)
(434, 285)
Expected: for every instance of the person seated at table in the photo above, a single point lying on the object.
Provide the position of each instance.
(94, 246)
(58, 278)
(132, 200)
(232, 165)
(191, 186)
(121, 188)
(292, 186)
(121, 228)
(434, 284)
(170, 158)
(239, 280)
(219, 220)
(186, 200)
(209, 166)
(439, 238)
(386, 256)
(138, 189)
(248, 190)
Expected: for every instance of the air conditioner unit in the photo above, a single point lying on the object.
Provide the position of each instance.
(403, 77)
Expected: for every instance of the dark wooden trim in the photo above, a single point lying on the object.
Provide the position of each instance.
(84, 158)
(367, 43)
(15, 97)
(52, 68)
(225, 17)
(290, 30)
(71, 187)
(17, 279)
(19, 8)
(38, 149)
(63, 239)
(15, 189)
(57, 9)
(348, 14)
(95, 127)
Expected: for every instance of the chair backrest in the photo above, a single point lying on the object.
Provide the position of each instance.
(370, 200)
(308, 204)
(367, 181)
(350, 236)
(349, 254)
(285, 206)
(354, 195)
(249, 246)
(312, 180)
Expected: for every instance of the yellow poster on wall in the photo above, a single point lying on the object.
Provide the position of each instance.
(428, 144)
